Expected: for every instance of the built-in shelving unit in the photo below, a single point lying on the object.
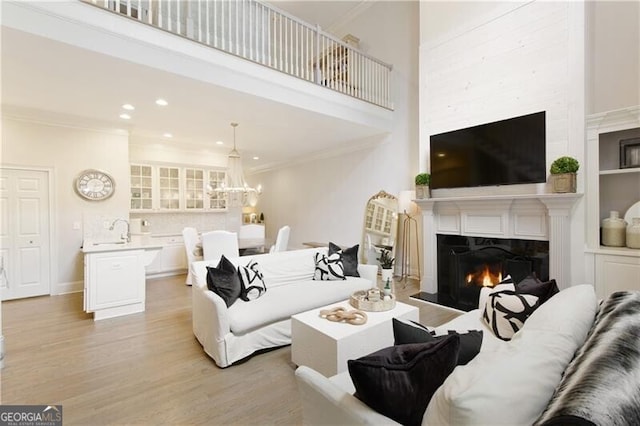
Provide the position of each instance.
(609, 187)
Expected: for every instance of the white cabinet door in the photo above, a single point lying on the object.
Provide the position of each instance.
(174, 257)
(115, 279)
(616, 273)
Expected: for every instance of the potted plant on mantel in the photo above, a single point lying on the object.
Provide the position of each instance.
(422, 185)
(386, 265)
(563, 174)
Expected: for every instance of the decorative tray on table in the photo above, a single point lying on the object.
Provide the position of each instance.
(372, 300)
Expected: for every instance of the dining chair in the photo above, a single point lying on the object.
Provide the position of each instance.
(190, 238)
(282, 240)
(218, 243)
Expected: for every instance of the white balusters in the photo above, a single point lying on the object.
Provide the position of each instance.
(263, 34)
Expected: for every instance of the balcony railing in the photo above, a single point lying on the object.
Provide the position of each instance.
(265, 35)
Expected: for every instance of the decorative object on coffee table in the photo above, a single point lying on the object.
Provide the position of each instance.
(340, 314)
(563, 174)
(614, 229)
(363, 300)
(422, 181)
(387, 288)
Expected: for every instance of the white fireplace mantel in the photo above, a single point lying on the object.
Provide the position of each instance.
(544, 217)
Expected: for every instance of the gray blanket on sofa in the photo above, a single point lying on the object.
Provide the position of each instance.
(601, 385)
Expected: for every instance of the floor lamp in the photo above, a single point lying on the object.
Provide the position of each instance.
(409, 232)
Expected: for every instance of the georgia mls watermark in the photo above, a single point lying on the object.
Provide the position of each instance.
(30, 415)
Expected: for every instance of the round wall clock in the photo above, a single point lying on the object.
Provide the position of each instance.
(94, 185)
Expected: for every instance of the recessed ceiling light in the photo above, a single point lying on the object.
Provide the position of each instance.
(125, 116)
(167, 135)
(128, 107)
(161, 102)
(441, 154)
(256, 158)
(219, 143)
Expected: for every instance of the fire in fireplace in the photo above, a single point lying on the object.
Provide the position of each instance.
(466, 264)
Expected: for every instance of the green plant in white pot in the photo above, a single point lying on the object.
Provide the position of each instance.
(422, 185)
(386, 265)
(563, 174)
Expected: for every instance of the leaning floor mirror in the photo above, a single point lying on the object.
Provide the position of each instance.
(380, 227)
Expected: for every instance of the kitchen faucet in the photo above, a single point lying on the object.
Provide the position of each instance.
(127, 236)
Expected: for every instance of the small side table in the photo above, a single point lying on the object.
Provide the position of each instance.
(326, 346)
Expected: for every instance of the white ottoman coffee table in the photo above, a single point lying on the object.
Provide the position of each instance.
(326, 346)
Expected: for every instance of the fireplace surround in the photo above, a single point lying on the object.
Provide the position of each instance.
(536, 217)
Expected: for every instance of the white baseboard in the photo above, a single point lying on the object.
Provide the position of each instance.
(66, 288)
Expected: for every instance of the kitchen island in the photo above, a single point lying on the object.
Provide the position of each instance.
(114, 276)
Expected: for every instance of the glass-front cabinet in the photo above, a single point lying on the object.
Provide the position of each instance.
(169, 188)
(194, 189)
(141, 187)
(217, 200)
(175, 188)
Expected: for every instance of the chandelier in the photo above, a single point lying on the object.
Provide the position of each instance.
(234, 188)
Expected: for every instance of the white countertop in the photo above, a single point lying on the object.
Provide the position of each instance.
(90, 246)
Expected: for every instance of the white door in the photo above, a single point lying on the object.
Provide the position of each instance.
(24, 233)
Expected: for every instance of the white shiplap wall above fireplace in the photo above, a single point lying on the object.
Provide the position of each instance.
(516, 59)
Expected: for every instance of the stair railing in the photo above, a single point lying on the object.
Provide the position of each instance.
(268, 36)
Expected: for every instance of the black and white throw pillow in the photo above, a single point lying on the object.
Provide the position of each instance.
(328, 268)
(506, 311)
(349, 258)
(253, 285)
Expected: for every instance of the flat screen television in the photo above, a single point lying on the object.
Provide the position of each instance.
(505, 152)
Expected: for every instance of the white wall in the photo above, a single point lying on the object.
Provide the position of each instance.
(66, 151)
(501, 60)
(323, 199)
(613, 57)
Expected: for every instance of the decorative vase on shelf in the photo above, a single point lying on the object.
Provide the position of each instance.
(614, 230)
(633, 233)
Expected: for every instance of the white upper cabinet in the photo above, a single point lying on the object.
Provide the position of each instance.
(174, 188)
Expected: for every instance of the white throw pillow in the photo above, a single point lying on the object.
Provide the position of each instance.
(513, 384)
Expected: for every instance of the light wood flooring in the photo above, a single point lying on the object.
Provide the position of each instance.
(145, 368)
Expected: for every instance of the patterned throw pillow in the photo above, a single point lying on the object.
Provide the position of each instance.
(506, 311)
(253, 285)
(328, 268)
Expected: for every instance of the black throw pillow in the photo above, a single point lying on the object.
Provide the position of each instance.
(532, 285)
(224, 281)
(413, 332)
(349, 258)
(399, 381)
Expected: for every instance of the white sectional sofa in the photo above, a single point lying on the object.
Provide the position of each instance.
(231, 334)
(512, 383)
